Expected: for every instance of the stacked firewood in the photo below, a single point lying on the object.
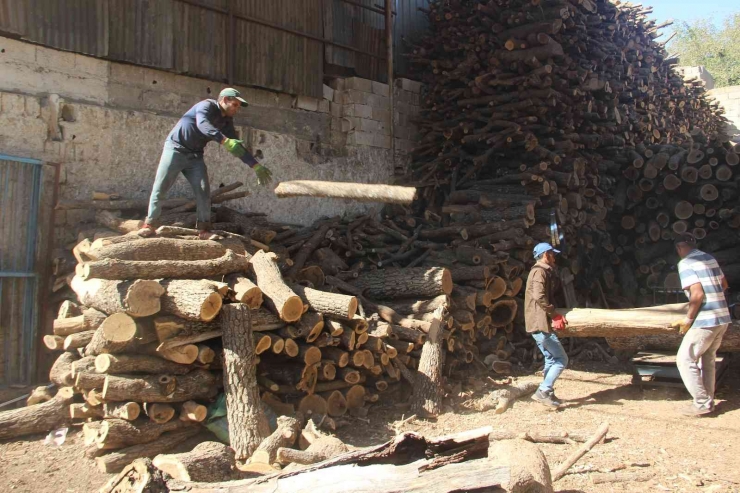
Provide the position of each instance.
(573, 107)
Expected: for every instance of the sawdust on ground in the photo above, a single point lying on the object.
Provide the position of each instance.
(685, 454)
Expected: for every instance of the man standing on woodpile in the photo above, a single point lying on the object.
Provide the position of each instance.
(540, 319)
(209, 120)
(705, 323)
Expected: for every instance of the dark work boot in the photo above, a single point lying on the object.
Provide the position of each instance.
(545, 399)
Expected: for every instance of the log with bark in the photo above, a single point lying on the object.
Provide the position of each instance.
(355, 191)
(207, 462)
(139, 298)
(286, 303)
(39, 418)
(426, 398)
(119, 459)
(198, 384)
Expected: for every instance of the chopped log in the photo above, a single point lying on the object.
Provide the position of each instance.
(312, 405)
(355, 397)
(503, 312)
(426, 398)
(470, 273)
(285, 435)
(248, 424)
(249, 226)
(166, 249)
(39, 418)
(207, 462)
(406, 307)
(191, 300)
(324, 448)
(139, 298)
(39, 395)
(192, 411)
(336, 404)
(287, 304)
(245, 291)
(118, 433)
(360, 192)
(54, 343)
(404, 283)
(119, 459)
(121, 410)
(158, 412)
(184, 355)
(78, 340)
(157, 269)
(330, 304)
(198, 384)
(137, 363)
(85, 411)
(111, 221)
(671, 341)
(331, 263)
(114, 335)
(68, 309)
(89, 320)
(528, 467)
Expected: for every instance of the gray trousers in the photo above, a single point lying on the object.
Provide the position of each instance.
(191, 165)
(695, 361)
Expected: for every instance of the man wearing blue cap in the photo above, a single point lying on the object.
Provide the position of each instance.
(540, 318)
(209, 120)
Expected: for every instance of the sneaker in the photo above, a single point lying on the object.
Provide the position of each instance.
(545, 399)
(555, 399)
(693, 411)
(147, 231)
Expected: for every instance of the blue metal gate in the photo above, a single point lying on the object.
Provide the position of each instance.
(20, 195)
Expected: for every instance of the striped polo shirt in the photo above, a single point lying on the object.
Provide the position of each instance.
(700, 267)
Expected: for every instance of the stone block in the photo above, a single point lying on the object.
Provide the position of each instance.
(366, 125)
(379, 102)
(284, 100)
(381, 115)
(335, 109)
(339, 97)
(124, 95)
(380, 89)
(383, 141)
(409, 85)
(337, 84)
(127, 74)
(360, 138)
(17, 51)
(328, 93)
(91, 66)
(358, 84)
(306, 103)
(32, 107)
(162, 101)
(62, 61)
(338, 138)
(353, 96)
(347, 124)
(13, 104)
(324, 106)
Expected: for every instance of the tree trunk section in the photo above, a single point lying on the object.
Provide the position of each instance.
(426, 398)
(117, 460)
(359, 192)
(671, 341)
(406, 283)
(285, 435)
(331, 304)
(245, 291)
(166, 249)
(119, 433)
(198, 384)
(288, 305)
(114, 335)
(157, 269)
(191, 300)
(248, 425)
(207, 462)
(139, 298)
(39, 418)
(61, 371)
(138, 363)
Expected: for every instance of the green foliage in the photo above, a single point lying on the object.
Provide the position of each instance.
(717, 48)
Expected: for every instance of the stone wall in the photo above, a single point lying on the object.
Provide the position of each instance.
(106, 122)
(729, 99)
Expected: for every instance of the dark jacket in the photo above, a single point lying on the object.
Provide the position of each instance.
(201, 124)
(540, 293)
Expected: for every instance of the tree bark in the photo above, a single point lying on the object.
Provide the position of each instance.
(139, 298)
(191, 300)
(166, 249)
(198, 384)
(119, 433)
(331, 304)
(359, 192)
(671, 341)
(426, 399)
(157, 269)
(39, 418)
(406, 283)
(138, 363)
(248, 425)
(207, 462)
(117, 460)
(288, 305)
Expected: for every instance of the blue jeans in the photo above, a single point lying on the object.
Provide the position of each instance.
(191, 165)
(555, 358)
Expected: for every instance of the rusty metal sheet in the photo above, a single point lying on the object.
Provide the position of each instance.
(141, 31)
(409, 24)
(200, 38)
(73, 25)
(13, 17)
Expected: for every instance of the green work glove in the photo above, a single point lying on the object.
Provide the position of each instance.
(264, 175)
(235, 147)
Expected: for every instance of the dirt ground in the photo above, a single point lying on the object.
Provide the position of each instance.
(685, 454)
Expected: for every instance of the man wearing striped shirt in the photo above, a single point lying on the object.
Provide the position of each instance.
(704, 325)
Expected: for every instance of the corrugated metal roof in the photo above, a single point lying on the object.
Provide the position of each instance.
(141, 31)
(409, 24)
(13, 17)
(74, 25)
(200, 38)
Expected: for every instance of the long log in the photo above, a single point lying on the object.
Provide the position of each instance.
(360, 192)
(198, 384)
(139, 298)
(288, 305)
(166, 249)
(119, 433)
(406, 283)
(670, 341)
(117, 460)
(39, 418)
(331, 304)
(157, 269)
(138, 363)
(248, 424)
(208, 462)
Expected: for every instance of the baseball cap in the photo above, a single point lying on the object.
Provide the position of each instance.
(541, 248)
(232, 93)
(684, 238)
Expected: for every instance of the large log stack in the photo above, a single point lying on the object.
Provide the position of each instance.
(574, 108)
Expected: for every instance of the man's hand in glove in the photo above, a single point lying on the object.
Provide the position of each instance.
(264, 175)
(234, 146)
(559, 322)
(683, 326)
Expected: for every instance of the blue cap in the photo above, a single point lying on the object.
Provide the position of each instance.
(541, 248)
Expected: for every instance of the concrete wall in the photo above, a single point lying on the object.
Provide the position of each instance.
(106, 123)
(729, 99)
(698, 72)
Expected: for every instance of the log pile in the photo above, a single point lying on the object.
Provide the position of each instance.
(571, 112)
